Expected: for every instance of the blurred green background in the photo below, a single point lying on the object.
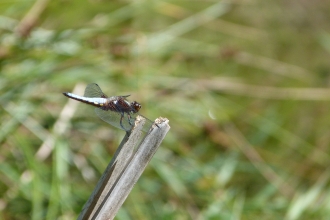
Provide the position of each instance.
(244, 84)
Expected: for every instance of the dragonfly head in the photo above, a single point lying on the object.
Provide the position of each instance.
(135, 106)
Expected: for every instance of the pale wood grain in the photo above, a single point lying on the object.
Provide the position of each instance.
(123, 171)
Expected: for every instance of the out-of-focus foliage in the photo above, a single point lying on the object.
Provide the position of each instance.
(243, 83)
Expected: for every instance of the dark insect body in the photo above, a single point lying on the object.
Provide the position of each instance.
(111, 109)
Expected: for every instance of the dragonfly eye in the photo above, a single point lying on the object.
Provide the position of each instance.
(135, 106)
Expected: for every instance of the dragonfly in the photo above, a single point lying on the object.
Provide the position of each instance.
(115, 110)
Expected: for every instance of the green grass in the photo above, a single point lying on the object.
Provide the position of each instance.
(244, 85)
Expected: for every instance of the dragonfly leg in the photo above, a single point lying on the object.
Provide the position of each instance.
(129, 119)
(121, 121)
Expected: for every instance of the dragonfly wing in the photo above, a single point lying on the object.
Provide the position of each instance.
(113, 118)
(147, 125)
(93, 90)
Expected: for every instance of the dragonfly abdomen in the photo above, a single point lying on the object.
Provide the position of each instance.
(98, 102)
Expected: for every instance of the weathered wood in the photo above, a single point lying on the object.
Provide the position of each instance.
(123, 171)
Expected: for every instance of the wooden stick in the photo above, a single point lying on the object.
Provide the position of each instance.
(123, 171)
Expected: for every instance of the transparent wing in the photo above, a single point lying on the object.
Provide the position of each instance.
(147, 125)
(93, 90)
(113, 118)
